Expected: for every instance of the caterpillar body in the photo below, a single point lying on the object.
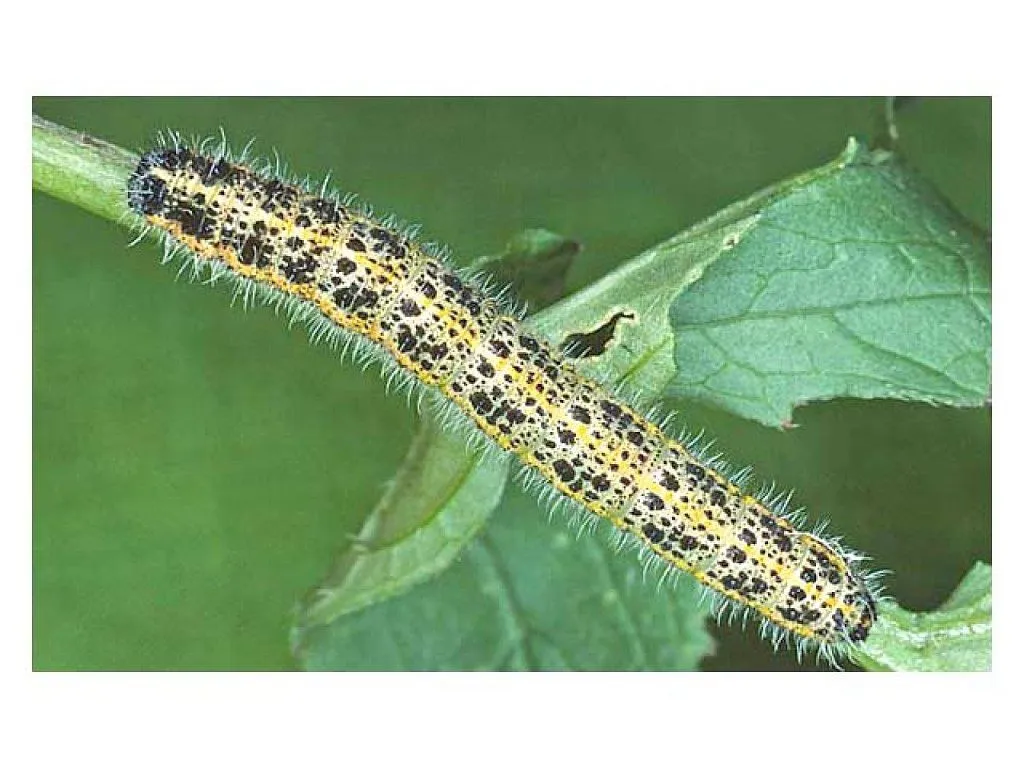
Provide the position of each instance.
(356, 274)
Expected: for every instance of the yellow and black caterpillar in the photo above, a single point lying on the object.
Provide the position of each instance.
(360, 275)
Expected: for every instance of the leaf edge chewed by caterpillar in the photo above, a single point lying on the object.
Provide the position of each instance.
(370, 285)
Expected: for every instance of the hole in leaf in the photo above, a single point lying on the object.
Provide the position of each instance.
(595, 342)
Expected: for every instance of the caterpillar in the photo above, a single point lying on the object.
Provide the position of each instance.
(362, 278)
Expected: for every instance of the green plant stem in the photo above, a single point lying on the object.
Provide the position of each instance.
(81, 169)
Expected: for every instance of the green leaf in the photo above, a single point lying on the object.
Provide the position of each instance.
(638, 295)
(437, 502)
(534, 265)
(856, 282)
(527, 595)
(956, 637)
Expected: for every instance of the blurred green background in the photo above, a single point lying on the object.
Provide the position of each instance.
(195, 465)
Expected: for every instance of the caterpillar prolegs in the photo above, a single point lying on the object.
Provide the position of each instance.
(359, 275)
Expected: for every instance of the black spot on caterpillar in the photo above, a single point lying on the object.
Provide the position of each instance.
(353, 274)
